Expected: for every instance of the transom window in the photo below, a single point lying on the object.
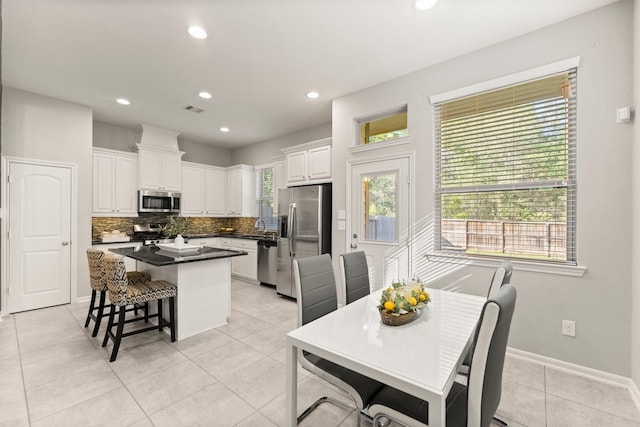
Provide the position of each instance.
(505, 172)
(383, 127)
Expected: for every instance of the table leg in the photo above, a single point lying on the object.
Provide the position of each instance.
(437, 413)
(292, 385)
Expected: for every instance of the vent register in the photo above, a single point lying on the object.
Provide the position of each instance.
(194, 109)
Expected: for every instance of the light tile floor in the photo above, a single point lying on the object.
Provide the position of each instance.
(53, 373)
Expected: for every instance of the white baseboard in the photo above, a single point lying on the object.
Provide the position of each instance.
(83, 299)
(583, 371)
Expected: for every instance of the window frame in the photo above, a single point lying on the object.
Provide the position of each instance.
(569, 266)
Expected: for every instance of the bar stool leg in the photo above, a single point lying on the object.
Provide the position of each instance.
(103, 297)
(146, 312)
(91, 308)
(116, 342)
(160, 317)
(172, 317)
(112, 312)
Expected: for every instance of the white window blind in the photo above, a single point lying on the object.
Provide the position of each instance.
(265, 197)
(505, 171)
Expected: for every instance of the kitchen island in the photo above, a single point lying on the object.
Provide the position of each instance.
(203, 278)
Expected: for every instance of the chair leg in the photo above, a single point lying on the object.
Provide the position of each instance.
(91, 308)
(160, 318)
(112, 310)
(116, 342)
(172, 317)
(498, 421)
(103, 297)
(327, 399)
(146, 312)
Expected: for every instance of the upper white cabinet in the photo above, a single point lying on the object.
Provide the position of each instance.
(241, 191)
(160, 169)
(308, 163)
(203, 190)
(115, 183)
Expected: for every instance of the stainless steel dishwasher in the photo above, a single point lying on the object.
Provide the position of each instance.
(267, 261)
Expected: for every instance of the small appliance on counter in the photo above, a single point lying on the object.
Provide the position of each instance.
(114, 236)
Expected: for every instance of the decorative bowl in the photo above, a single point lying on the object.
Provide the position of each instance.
(401, 319)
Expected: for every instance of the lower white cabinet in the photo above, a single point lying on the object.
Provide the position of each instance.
(244, 267)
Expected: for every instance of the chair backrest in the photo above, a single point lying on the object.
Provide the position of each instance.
(355, 275)
(315, 286)
(116, 276)
(501, 276)
(97, 275)
(484, 385)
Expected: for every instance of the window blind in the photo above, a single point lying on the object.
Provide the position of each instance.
(505, 171)
(265, 197)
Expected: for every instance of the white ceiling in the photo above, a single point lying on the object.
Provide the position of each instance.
(259, 60)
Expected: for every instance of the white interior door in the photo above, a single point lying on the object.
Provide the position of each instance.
(39, 236)
(379, 220)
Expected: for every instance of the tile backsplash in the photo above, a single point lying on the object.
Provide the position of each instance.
(197, 225)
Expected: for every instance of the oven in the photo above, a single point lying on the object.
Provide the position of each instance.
(158, 201)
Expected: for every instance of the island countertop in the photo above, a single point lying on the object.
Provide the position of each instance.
(159, 258)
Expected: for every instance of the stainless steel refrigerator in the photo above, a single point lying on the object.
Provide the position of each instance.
(304, 220)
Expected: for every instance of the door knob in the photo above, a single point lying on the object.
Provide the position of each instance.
(65, 243)
(354, 245)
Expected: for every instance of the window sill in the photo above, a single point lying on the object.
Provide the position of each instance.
(377, 145)
(521, 265)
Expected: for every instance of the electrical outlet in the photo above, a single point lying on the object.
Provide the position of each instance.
(569, 328)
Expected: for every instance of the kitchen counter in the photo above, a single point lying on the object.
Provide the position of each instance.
(133, 240)
(157, 257)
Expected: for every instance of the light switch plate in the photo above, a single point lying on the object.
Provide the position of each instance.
(623, 115)
(342, 225)
(342, 214)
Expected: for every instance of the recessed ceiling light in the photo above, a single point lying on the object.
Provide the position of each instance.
(197, 32)
(205, 95)
(424, 4)
(313, 95)
(224, 129)
(123, 101)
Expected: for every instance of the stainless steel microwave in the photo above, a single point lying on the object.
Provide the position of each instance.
(158, 201)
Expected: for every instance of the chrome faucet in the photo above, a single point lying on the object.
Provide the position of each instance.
(260, 224)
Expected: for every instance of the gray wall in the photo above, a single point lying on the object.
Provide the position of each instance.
(114, 137)
(635, 308)
(599, 302)
(42, 128)
(268, 151)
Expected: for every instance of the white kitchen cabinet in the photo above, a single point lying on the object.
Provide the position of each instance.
(246, 266)
(212, 242)
(193, 190)
(240, 191)
(115, 183)
(160, 169)
(308, 163)
(215, 191)
(203, 190)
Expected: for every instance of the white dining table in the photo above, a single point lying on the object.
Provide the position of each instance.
(420, 358)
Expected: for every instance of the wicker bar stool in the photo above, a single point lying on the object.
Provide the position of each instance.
(98, 282)
(123, 293)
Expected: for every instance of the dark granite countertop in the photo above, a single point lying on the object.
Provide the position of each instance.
(197, 236)
(155, 256)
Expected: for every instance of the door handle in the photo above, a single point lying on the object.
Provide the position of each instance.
(65, 243)
(354, 245)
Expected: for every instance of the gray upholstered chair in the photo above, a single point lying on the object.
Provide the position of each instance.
(123, 293)
(317, 296)
(475, 404)
(98, 282)
(355, 275)
(501, 276)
